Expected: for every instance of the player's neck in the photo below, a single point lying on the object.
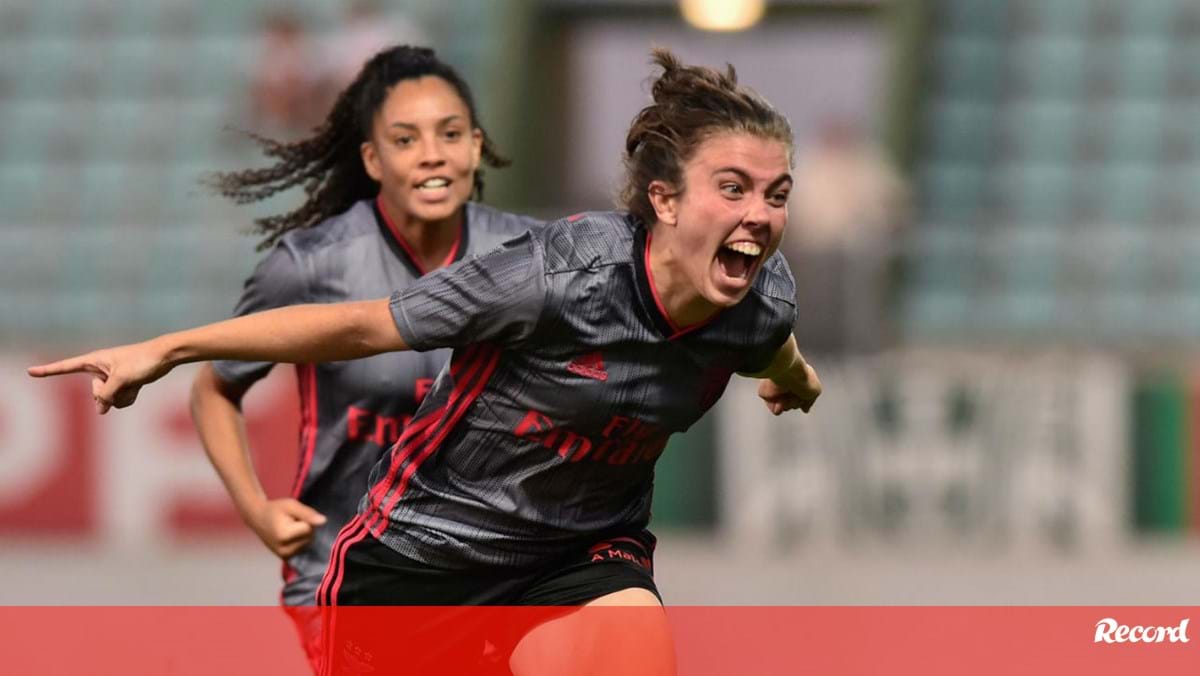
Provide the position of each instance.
(682, 302)
(430, 242)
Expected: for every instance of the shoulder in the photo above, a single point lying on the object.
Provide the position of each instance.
(775, 282)
(588, 240)
(353, 224)
(487, 222)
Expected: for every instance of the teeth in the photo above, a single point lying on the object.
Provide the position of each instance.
(435, 183)
(745, 248)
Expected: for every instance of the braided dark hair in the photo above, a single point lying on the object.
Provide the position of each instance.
(691, 103)
(329, 163)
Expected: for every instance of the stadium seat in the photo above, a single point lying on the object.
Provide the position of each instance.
(1124, 194)
(961, 130)
(1051, 18)
(1143, 65)
(970, 17)
(1049, 68)
(950, 193)
(1041, 131)
(1134, 131)
(1153, 19)
(1037, 194)
(970, 66)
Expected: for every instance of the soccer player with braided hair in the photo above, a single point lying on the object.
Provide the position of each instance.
(526, 475)
(388, 177)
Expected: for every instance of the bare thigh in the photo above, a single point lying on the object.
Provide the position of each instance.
(625, 632)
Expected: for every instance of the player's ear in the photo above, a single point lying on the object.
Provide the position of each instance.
(665, 201)
(370, 159)
(476, 147)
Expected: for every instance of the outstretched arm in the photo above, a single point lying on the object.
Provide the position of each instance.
(297, 334)
(789, 382)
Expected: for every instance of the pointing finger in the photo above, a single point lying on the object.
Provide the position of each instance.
(80, 364)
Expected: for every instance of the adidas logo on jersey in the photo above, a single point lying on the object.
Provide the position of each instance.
(590, 365)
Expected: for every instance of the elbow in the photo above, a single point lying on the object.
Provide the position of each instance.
(372, 329)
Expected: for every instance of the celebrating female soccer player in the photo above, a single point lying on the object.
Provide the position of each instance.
(388, 176)
(525, 476)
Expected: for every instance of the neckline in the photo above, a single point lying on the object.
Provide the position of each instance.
(404, 250)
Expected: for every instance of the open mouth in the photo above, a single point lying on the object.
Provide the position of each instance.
(433, 185)
(738, 259)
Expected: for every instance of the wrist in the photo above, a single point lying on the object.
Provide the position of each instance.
(168, 350)
(251, 507)
(794, 375)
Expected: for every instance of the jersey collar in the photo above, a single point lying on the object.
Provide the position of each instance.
(404, 251)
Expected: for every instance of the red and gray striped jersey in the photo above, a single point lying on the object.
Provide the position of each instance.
(351, 411)
(567, 379)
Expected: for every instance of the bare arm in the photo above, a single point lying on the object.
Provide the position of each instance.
(297, 334)
(789, 382)
(284, 525)
(300, 334)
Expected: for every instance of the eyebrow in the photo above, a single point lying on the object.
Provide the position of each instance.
(444, 121)
(786, 177)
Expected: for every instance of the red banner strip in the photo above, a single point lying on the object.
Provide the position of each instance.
(693, 641)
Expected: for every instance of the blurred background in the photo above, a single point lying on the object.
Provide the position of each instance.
(993, 233)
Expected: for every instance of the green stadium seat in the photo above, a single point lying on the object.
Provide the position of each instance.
(970, 67)
(1178, 189)
(42, 68)
(1027, 259)
(26, 129)
(135, 66)
(59, 21)
(1037, 194)
(971, 17)
(951, 193)
(21, 191)
(1150, 18)
(947, 257)
(1041, 131)
(218, 67)
(1049, 68)
(124, 122)
(943, 311)
(1143, 66)
(229, 18)
(27, 257)
(1056, 17)
(1025, 314)
(14, 21)
(1124, 193)
(1134, 131)
(961, 131)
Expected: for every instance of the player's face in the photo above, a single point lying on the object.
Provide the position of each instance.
(423, 150)
(732, 212)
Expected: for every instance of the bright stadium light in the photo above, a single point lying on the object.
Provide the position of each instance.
(722, 15)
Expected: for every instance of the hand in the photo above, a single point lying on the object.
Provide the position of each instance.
(118, 373)
(285, 525)
(798, 389)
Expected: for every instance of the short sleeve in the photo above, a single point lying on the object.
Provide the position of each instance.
(772, 315)
(497, 297)
(775, 334)
(277, 281)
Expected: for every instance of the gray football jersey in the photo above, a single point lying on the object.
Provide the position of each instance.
(351, 411)
(566, 381)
